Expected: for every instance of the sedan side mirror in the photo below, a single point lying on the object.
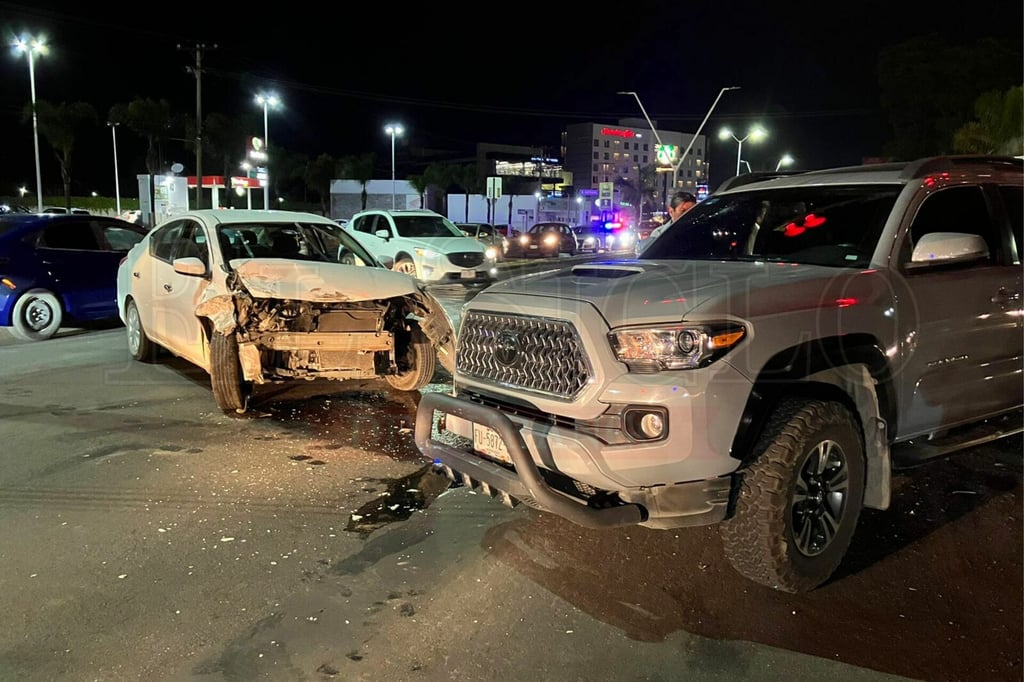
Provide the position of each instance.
(190, 266)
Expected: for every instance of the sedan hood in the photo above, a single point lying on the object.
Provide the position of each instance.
(311, 281)
(636, 292)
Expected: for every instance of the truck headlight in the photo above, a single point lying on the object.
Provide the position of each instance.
(651, 349)
(491, 253)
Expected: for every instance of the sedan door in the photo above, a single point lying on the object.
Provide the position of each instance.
(82, 270)
(167, 299)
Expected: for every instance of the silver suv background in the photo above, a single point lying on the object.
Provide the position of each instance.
(766, 365)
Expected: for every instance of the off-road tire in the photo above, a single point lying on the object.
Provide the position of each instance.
(230, 390)
(759, 538)
(37, 315)
(416, 365)
(139, 345)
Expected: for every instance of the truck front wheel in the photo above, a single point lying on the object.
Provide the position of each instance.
(798, 502)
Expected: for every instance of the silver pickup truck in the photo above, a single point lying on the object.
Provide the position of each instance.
(766, 365)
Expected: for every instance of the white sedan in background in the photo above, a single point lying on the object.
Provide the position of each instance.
(259, 296)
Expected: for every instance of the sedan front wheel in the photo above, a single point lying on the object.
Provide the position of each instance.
(230, 389)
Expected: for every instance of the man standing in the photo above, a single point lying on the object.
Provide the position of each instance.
(680, 203)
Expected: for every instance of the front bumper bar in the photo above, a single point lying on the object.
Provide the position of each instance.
(525, 483)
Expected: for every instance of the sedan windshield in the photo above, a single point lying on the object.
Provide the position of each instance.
(299, 241)
(834, 226)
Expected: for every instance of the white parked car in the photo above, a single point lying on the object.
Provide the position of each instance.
(424, 244)
(259, 296)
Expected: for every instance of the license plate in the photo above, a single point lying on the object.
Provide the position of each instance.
(533, 246)
(488, 442)
(468, 274)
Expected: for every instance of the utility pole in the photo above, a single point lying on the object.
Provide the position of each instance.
(197, 71)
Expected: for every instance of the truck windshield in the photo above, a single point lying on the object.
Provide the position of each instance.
(834, 226)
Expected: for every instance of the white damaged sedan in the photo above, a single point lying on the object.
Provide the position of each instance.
(270, 296)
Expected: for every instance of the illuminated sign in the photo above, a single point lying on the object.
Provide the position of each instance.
(666, 153)
(618, 132)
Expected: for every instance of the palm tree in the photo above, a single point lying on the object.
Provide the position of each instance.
(441, 176)
(60, 126)
(224, 140)
(466, 177)
(319, 174)
(419, 183)
(997, 125)
(360, 168)
(150, 119)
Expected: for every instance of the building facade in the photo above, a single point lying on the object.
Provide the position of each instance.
(598, 153)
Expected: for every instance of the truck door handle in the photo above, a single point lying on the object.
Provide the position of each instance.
(1005, 296)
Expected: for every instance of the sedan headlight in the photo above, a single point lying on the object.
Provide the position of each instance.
(524, 240)
(651, 349)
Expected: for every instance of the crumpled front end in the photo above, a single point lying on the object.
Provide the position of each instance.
(281, 339)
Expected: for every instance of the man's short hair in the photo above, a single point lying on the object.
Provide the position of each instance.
(682, 198)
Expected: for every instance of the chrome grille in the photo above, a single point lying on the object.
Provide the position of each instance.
(535, 354)
(469, 259)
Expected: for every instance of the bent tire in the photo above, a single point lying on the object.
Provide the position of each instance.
(416, 362)
(798, 503)
(139, 345)
(230, 390)
(36, 316)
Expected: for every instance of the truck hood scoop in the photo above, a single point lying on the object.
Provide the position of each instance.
(610, 270)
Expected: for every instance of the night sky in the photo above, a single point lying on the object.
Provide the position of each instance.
(505, 73)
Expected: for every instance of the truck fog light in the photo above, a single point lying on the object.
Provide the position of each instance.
(646, 423)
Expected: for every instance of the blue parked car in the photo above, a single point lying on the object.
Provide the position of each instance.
(60, 268)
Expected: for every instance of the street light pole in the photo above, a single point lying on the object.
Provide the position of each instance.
(117, 181)
(756, 133)
(786, 160)
(393, 129)
(267, 101)
(30, 47)
(675, 167)
(677, 164)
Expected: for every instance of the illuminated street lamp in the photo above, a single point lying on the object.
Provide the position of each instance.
(786, 160)
(756, 134)
(31, 47)
(393, 129)
(268, 101)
